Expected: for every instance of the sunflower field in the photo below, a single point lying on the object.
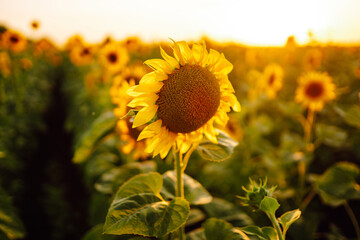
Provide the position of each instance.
(126, 139)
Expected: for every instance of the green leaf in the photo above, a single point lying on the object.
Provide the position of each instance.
(216, 229)
(10, 223)
(289, 218)
(331, 135)
(338, 183)
(95, 233)
(131, 112)
(351, 115)
(265, 233)
(269, 205)
(138, 208)
(220, 208)
(217, 152)
(114, 177)
(194, 192)
(104, 124)
(197, 234)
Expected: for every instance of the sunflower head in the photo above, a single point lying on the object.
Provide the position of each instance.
(271, 80)
(182, 98)
(35, 25)
(113, 57)
(74, 41)
(81, 55)
(13, 41)
(314, 89)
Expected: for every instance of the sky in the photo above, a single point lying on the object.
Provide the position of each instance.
(249, 22)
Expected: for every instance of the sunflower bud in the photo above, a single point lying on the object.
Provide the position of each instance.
(256, 193)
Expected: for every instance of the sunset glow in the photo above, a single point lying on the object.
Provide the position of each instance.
(248, 22)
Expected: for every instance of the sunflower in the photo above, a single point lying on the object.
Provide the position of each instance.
(271, 80)
(182, 98)
(14, 41)
(113, 57)
(35, 25)
(73, 41)
(129, 77)
(81, 55)
(314, 90)
(5, 64)
(313, 59)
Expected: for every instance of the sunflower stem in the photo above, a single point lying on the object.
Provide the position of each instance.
(302, 168)
(179, 191)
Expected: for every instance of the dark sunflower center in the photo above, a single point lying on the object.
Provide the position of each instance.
(136, 79)
(314, 90)
(112, 57)
(85, 52)
(271, 79)
(189, 98)
(14, 39)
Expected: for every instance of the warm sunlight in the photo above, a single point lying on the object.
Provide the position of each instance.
(259, 22)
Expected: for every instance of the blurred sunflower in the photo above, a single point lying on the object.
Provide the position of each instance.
(81, 55)
(314, 89)
(233, 128)
(182, 98)
(271, 80)
(26, 63)
(35, 25)
(313, 59)
(113, 57)
(14, 41)
(74, 41)
(128, 78)
(5, 64)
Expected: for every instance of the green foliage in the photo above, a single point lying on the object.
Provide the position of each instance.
(114, 176)
(338, 183)
(220, 208)
(331, 135)
(10, 223)
(194, 192)
(289, 218)
(138, 208)
(100, 128)
(216, 229)
(217, 152)
(264, 233)
(269, 205)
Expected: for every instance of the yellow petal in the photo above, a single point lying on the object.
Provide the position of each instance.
(223, 66)
(159, 65)
(212, 58)
(122, 125)
(165, 150)
(150, 130)
(186, 52)
(144, 115)
(127, 148)
(153, 77)
(177, 53)
(198, 52)
(144, 100)
(230, 98)
(147, 87)
(210, 132)
(171, 61)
